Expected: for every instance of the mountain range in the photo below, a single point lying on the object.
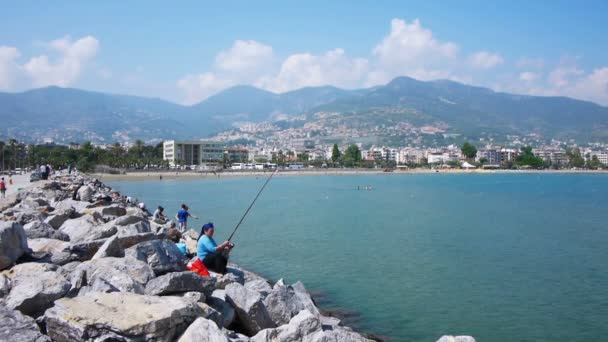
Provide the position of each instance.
(65, 114)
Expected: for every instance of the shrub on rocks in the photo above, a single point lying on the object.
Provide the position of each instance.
(249, 307)
(162, 255)
(13, 243)
(120, 316)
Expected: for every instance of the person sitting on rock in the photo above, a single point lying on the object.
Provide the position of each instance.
(214, 256)
(143, 208)
(158, 216)
(175, 236)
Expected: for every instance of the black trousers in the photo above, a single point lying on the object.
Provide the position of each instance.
(216, 262)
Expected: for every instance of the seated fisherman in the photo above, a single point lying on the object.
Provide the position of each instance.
(158, 216)
(214, 256)
(175, 236)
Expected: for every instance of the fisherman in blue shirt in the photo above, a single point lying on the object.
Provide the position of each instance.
(182, 218)
(214, 256)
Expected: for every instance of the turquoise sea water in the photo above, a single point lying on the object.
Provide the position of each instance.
(501, 257)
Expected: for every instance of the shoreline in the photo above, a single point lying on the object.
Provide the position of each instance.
(170, 175)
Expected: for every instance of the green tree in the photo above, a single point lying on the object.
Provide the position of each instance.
(594, 163)
(468, 150)
(335, 154)
(574, 157)
(527, 158)
(352, 156)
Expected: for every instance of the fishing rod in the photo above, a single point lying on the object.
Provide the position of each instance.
(251, 205)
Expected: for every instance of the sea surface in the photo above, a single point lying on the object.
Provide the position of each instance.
(500, 257)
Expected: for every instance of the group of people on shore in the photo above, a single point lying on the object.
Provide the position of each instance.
(212, 255)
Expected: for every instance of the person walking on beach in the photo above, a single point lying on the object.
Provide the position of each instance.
(182, 218)
(2, 188)
(214, 256)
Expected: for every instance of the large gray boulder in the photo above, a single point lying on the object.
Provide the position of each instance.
(120, 316)
(110, 248)
(217, 300)
(179, 282)
(285, 302)
(307, 327)
(68, 204)
(16, 327)
(249, 307)
(5, 285)
(87, 228)
(57, 249)
(110, 275)
(203, 330)
(133, 229)
(35, 287)
(260, 286)
(24, 215)
(60, 216)
(13, 243)
(224, 279)
(38, 229)
(85, 193)
(83, 251)
(449, 338)
(162, 255)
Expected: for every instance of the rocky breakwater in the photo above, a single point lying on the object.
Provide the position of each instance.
(77, 263)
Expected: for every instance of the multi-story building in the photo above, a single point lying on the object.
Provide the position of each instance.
(602, 157)
(555, 156)
(192, 152)
(237, 154)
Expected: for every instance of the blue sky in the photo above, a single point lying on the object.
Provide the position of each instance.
(188, 52)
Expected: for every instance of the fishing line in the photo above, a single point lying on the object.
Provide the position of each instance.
(251, 205)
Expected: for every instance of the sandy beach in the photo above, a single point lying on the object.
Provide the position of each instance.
(143, 175)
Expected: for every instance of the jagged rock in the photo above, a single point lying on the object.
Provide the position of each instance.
(113, 211)
(203, 330)
(249, 307)
(247, 276)
(197, 297)
(132, 240)
(217, 300)
(60, 216)
(329, 322)
(5, 285)
(13, 243)
(211, 314)
(85, 250)
(87, 228)
(25, 216)
(134, 228)
(448, 338)
(35, 287)
(307, 327)
(285, 302)
(57, 249)
(179, 282)
(225, 279)
(37, 229)
(234, 336)
(16, 327)
(127, 220)
(110, 248)
(85, 193)
(162, 255)
(260, 286)
(120, 316)
(110, 275)
(66, 204)
(67, 269)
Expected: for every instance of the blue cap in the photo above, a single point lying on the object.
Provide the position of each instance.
(207, 226)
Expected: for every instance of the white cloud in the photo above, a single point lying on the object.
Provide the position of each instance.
(8, 66)
(485, 60)
(199, 87)
(530, 63)
(244, 56)
(73, 56)
(564, 75)
(528, 76)
(307, 70)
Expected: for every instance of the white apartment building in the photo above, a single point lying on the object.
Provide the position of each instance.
(601, 156)
(192, 152)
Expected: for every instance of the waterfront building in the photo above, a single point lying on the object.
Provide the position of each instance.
(237, 154)
(602, 157)
(194, 152)
(555, 156)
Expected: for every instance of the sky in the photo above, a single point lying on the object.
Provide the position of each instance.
(186, 51)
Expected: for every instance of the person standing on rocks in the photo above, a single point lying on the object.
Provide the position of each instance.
(2, 188)
(182, 218)
(214, 256)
